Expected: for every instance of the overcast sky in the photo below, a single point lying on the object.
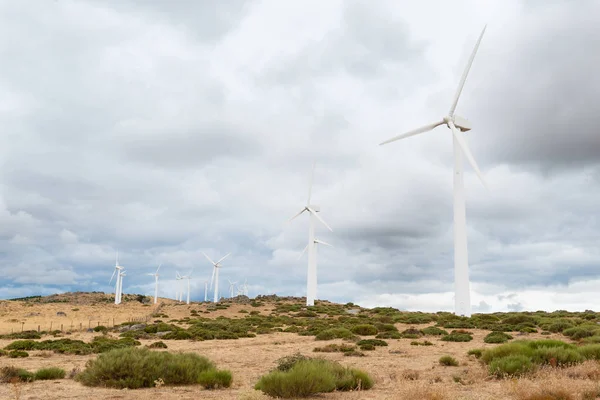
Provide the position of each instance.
(163, 129)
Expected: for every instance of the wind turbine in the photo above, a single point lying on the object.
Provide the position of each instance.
(457, 125)
(117, 271)
(311, 278)
(215, 275)
(155, 275)
(231, 288)
(188, 277)
(205, 291)
(179, 292)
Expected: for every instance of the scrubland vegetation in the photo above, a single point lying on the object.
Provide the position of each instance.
(507, 349)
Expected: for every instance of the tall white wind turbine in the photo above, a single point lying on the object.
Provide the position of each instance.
(311, 276)
(205, 291)
(155, 275)
(118, 283)
(457, 125)
(215, 275)
(179, 293)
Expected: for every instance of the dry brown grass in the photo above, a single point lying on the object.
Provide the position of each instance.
(401, 371)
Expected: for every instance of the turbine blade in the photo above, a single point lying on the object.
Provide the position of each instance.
(159, 265)
(301, 254)
(208, 258)
(465, 149)
(212, 278)
(465, 73)
(319, 218)
(228, 254)
(294, 217)
(113, 275)
(322, 242)
(417, 131)
(312, 176)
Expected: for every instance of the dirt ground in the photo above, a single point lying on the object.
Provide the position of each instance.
(392, 367)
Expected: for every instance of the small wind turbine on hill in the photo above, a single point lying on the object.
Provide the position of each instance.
(155, 275)
(119, 283)
(311, 278)
(215, 275)
(179, 292)
(231, 287)
(457, 125)
(188, 277)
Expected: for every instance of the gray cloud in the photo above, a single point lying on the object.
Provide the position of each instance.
(165, 133)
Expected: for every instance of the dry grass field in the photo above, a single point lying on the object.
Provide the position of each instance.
(400, 370)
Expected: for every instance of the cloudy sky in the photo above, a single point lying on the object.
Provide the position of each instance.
(164, 130)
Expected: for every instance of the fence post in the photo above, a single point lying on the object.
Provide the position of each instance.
(50, 326)
(61, 328)
(38, 329)
(80, 327)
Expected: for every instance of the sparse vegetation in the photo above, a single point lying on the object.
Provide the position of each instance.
(135, 368)
(448, 361)
(309, 377)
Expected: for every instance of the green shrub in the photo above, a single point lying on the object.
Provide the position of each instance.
(215, 379)
(372, 342)
(582, 331)
(475, 352)
(157, 345)
(18, 354)
(591, 340)
(334, 333)
(22, 345)
(590, 351)
(100, 328)
(433, 331)
(367, 347)
(448, 361)
(457, 337)
(513, 365)
(333, 348)
(423, 343)
(134, 368)
(310, 377)
(51, 373)
(497, 337)
(364, 330)
(389, 335)
(556, 356)
(3, 353)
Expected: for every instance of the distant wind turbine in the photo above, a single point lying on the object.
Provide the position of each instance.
(311, 278)
(457, 125)
(215, 275)
(231, 287)
(188, 277)
(118, 284)
(155, 275)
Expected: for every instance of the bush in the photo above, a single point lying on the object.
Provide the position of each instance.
(309, 377)
(51, 373)
(215, 379)
(448, 361)
(364, 330)
(434, 331)
(18, 354)
(475, 352)
(333, 348)
(134, 368)
(497, 337)
(457, 337)
(389, 335)
(513, 365)
(157, 345)
(100, 328)
(372, 342)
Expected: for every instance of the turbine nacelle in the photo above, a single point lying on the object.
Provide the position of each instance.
(461, 123)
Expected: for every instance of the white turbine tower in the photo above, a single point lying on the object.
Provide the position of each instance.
(155, 275)
(215, 275)
(118, 283)
(457, 125)
(179, 292)
(121, 274)
(231, 288)
(206, 291)
(311, 278)
(188, 277)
